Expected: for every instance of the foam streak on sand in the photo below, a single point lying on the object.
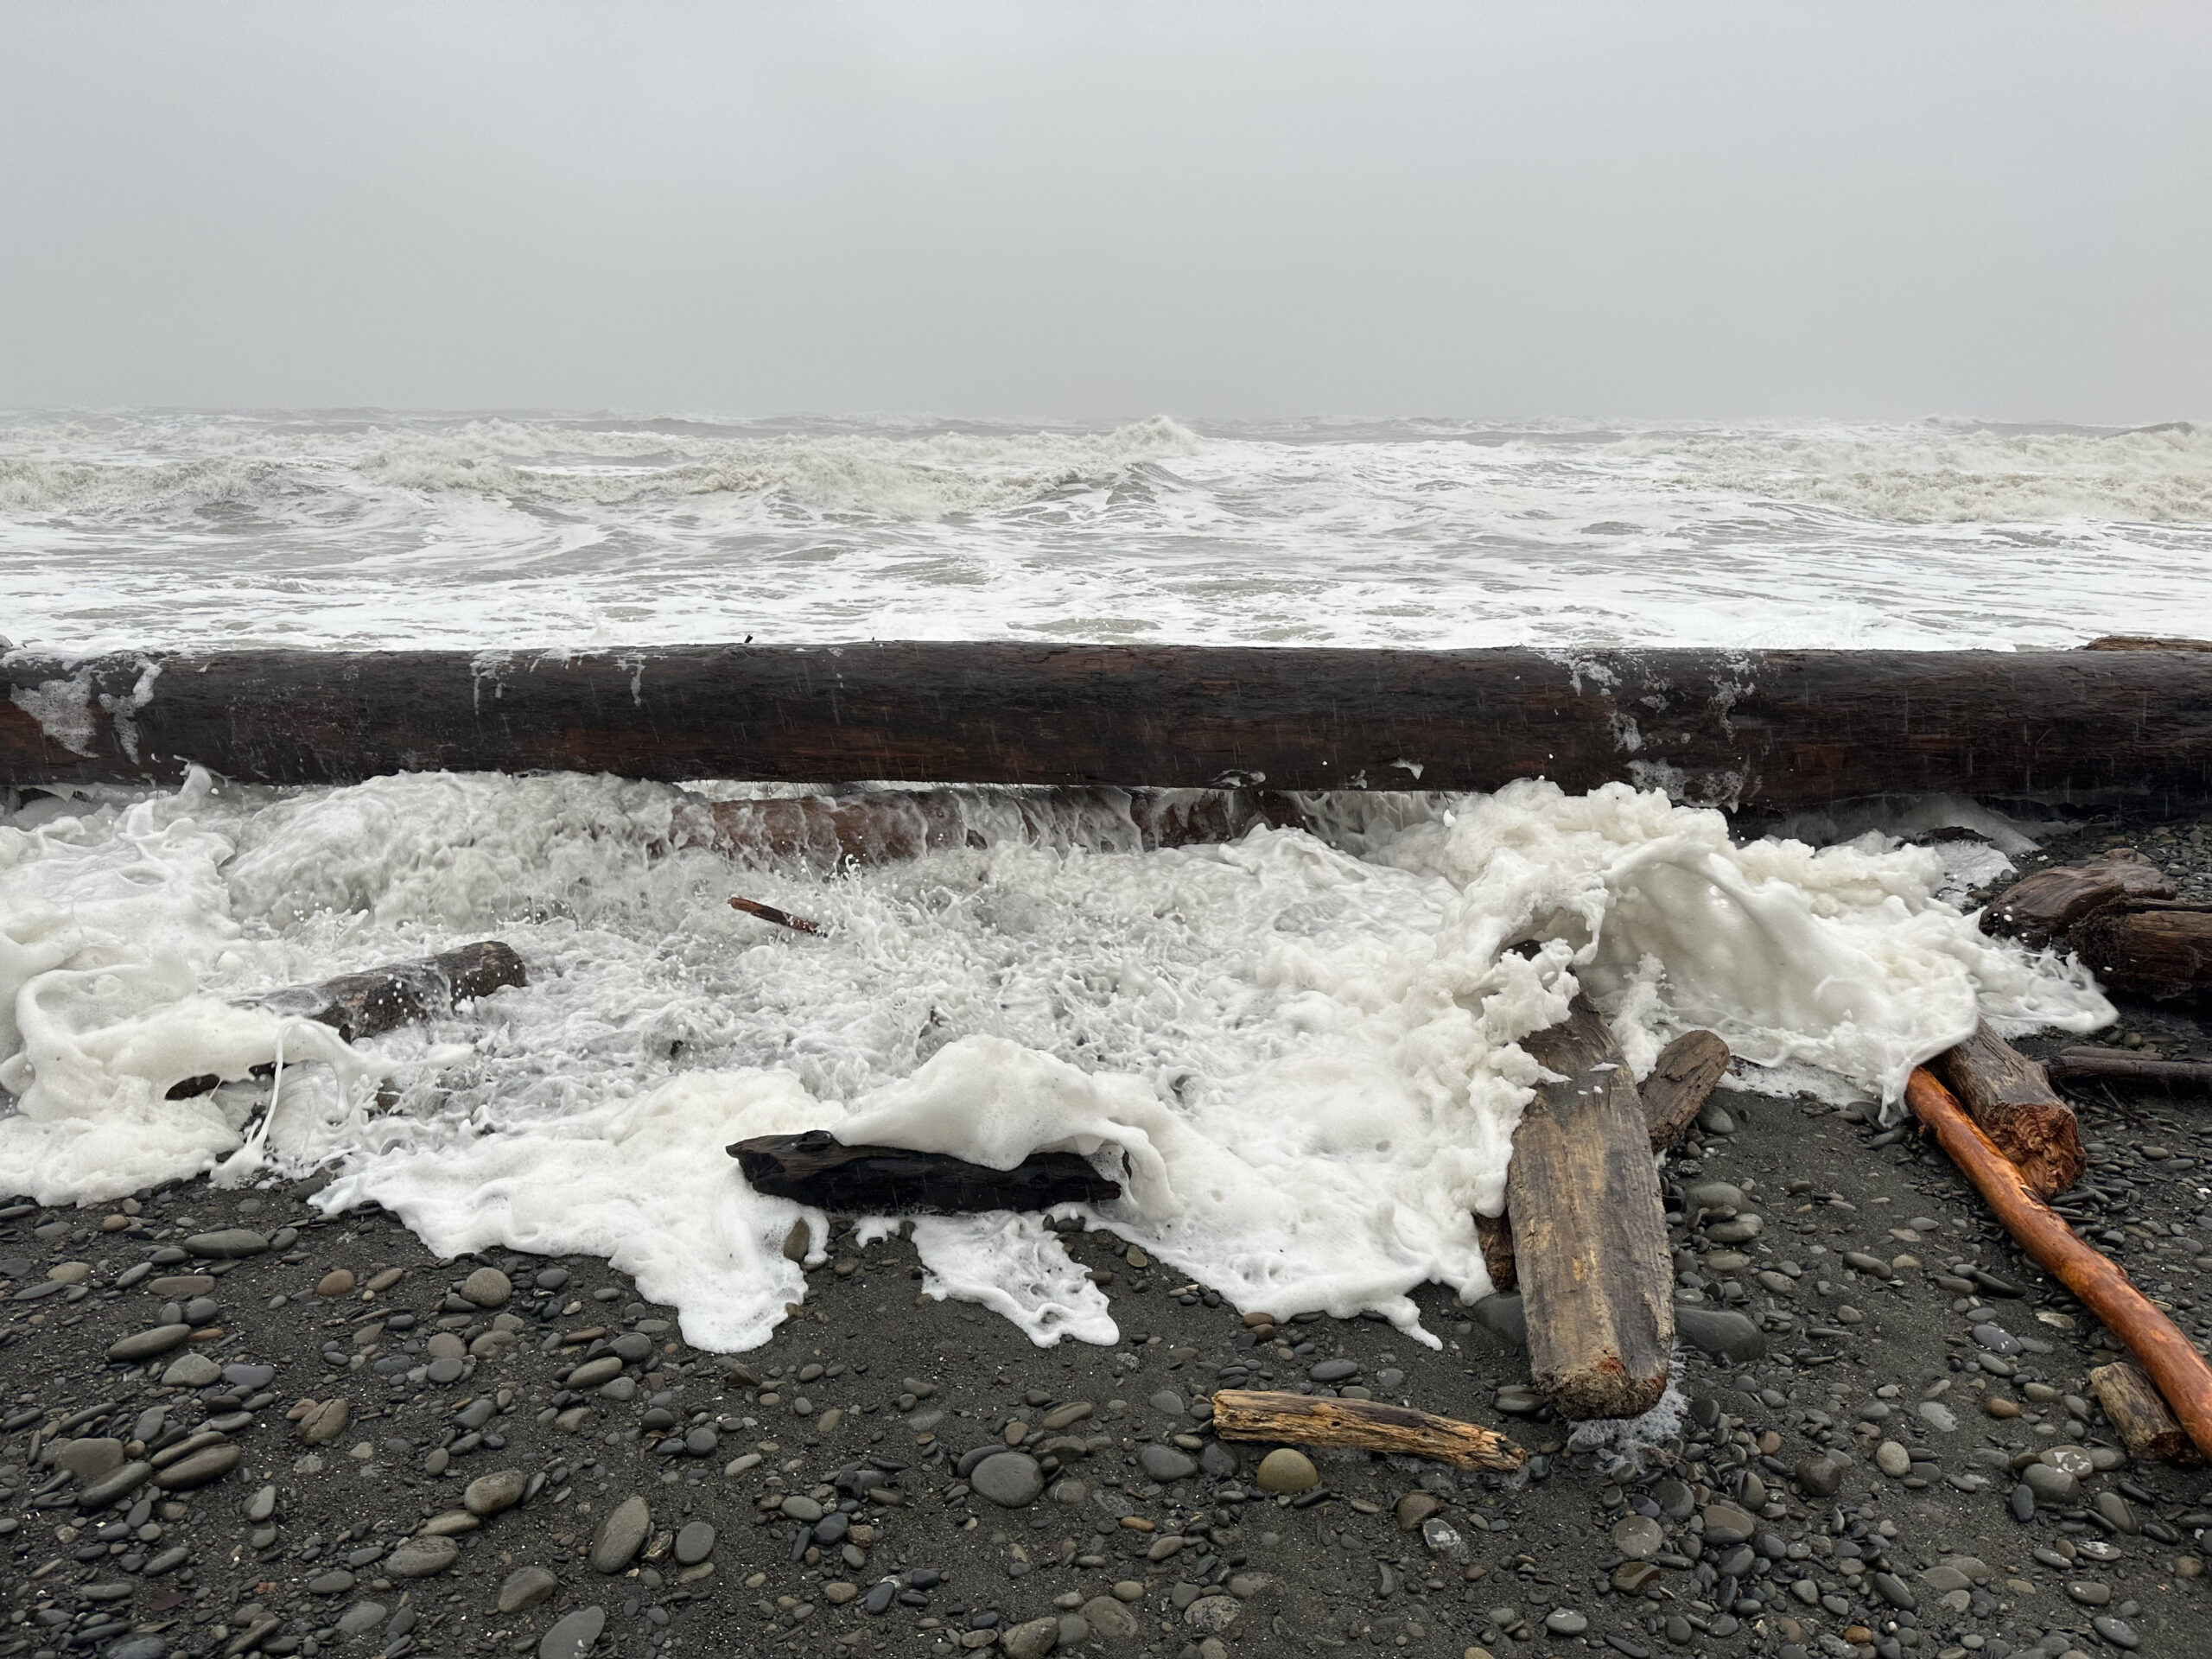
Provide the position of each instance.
(1301, 1063)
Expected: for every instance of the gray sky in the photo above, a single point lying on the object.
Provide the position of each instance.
(1110, 209)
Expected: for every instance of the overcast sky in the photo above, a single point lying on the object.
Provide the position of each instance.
(1110, 209)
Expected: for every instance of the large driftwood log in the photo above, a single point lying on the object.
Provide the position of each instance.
(2113, 1065)
(815, 1168)
(2144, 1424)
(2148, 948)
(2011, 1100)
(1775, 729)
(1681, 1078)
(1368, 1425)
(2167, 1355)
(384, 999)
(1590, 1236)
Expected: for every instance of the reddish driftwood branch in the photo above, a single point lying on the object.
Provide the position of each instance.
(1370, 1425)
(2168, 1356)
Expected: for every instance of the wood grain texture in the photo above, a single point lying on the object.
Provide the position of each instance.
(2116, 1066)
(1494, 1234)
(2009, 1098)
(1681, 1078)
(2146, 1427)
(1777, 728)
(1370, 1425)
(2144, 948)
(1590, 1236)
(2167, 1356)
(2047, 903)
(818, 1169)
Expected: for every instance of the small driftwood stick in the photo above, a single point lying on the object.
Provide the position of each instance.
(1683, 1076)
(770, 914)
(1495, 1235)
(1591, 1236)
(384, 999)
(2168, 1356)
(818, 1169)
(2108, 1066)
(2149, 948)
(2011, 1101)
(1370, 1425)
(2140, 1416)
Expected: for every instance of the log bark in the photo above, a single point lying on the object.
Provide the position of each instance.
(1589, 1231)
(1681, 1078)
(2143, 642)
(815, 1168)
(2167, 1356)
(1495, 1236)
(1776, 729)
(2009, 1098)
(2144, 1424)
(369, 1004)
(2049, 901)
(2109, 1066)
(1368, 1425)
(2162, 951)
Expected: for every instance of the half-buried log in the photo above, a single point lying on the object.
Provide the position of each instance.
(1773, 729)
(815, 1168)
(2011, 1100)
(369, 1004)
(1589, 1234)
(1367, 1425)
(2167, 1355)
(2047, 903)
(1681, 1078)
(2110, 1065)
(2148, 1429)
(2150, 948)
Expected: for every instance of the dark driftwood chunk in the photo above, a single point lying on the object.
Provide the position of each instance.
(2011, 1101)
(384, 999)
(2162, 951)
(1590, 1236)
(1495, 1235)
(815, 1168)
(2112, 1065)
(1683, 1076)
(2051, 901)
(2136, 1410)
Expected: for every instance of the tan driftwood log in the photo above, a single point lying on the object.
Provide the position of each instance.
(384, 999)
(1681, 1078)
(1759, 729)
(2141, 1417)
(2167, 1356)
(1370, 1425)
(1495, 1235)
(2148, 948)
(2115, 1065)
(2049, 901)
(2010, 1099)
(1589, 1233)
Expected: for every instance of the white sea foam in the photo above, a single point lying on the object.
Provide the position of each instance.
(1301, 1061)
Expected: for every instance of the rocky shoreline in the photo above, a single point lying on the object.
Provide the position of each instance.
(230, 1425)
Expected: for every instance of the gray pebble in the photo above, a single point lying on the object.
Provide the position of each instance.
(1724, 1335)
(489, 1494)
(1010, 1479)
(120, 1485)
(362, 1617)
(2051, 1486)
(621, 1536)
(488, 1287)
(525, 1588)
(150, 1345)
(593, 1372)
(800, 1507)
(421, 1558)
(1167, 1401)
(197, 1469)
(1334, 1370)
(228, 1245)
(1163, 1463)
(694, 1543)
(572, 1636)
(191, 1370)
(2118, 1632)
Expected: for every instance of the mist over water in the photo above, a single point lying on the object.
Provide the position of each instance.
(385, 530)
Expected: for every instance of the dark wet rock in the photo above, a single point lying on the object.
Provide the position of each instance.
(111, 1488)
(573, 1635)
(525, 1588)
(150, 1345)
(1163, 1463)
(696, 1541)
(1010, 1479)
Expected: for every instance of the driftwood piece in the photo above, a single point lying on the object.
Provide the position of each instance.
(2159, 950)
(2011, 1101)
(1768, 729)
(2166, 1355)
(1495, 1235)
(2143, 642)
(2139, 1414)
(1590, 1234)
(2047, 903)
(1368, 1425)
(1681, 1078)
(815, 1168)
(770, 914)
(2115, 1065)
(384, 999)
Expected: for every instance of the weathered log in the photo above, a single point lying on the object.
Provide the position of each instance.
(815, 1168)
(770, 914)
(2049, 901)
(2011, 1100)
(1590, 1236)
(2144, 1424)
(2147, 948)
(2167, 1355)
(1494, 1234)
(1681, 1078)
(2143, 642)
(1776, 729)
(2112, 1065)
(384, 999)
(1367, 1425)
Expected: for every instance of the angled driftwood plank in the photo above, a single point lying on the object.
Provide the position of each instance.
(1590, 1238)
(1368, 1425)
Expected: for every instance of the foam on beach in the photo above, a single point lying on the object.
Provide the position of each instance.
(1301, 1061)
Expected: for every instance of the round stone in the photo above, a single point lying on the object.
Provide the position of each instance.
(1031, 1639)
(326, 1422)
(489, 1494)
(1893, 1460)
(2071, 1458)
(1564, 1621)
(421, 1558)
(488, 1287)
(593, 1372)
(525, 1588)
(192, 1371)
(1163, 1463)
(1108, 1618)
(800, 1507)
(694, 1543)
(210, 1464)
(573, 1634)
(1638, 1537)
(1010, 1479)
(442, 1371)
(620, 1535)
(338, 1281)
(1284, 1470)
